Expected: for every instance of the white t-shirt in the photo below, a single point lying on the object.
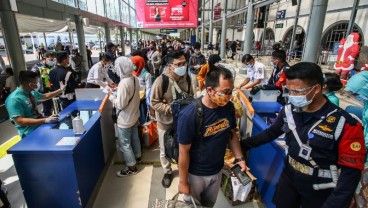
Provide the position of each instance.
(98, 75)
(10, 82)
(257, 71)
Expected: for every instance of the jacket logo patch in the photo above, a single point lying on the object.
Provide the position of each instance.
(325, 128)
(322, 134)
(331, 119)
(355, 146)
(217, 127)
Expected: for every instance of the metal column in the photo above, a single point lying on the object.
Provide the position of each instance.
(81, 40)
(223, 33)
(352, 17)
(294, 28)
(210, 38)
(248, 39)
(45, 38)
(265, 27)
(202, 25)
(12, 40)
(122, 40)
(131, 39)
(312, 43)
(197, 34)
(107, 33)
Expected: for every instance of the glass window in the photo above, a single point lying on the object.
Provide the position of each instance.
(92, 7)
(125, 13)
(100, 7)
(66, 2)
(132, 3)
(83, 5)
(335, 33)
(133, 19)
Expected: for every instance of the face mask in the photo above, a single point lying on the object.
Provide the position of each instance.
(300, 101)
(168, 45)
(107, 66)
(220, 100)
(197, 52)
(50, 63)
(180, 71)
(134, 67)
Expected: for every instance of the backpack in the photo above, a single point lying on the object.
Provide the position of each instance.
(166, 81)
(170, 137)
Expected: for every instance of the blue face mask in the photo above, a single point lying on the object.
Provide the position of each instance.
(135, 68)
(299, 100)
(180, 71)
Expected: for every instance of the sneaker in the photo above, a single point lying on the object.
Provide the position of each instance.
(166, 180)
(126, 172)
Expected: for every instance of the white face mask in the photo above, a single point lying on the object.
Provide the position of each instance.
(50, 63)
(180, 71)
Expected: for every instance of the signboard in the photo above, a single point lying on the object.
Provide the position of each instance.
(217, 11)
(280, 25)
(168, 31)
(280, 14)
(167, 13)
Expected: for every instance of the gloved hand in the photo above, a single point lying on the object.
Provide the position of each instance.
(255, 89)
(52, 119)
(62, 86)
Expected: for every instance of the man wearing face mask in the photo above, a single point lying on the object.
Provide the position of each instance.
(97, 75)
(22, 104)
(256, 73)
(164, 91)
(278, 78)
(154, 57)
(200, 168)
(196, 61)
(43, 69)
(63, 73)
(325, 145)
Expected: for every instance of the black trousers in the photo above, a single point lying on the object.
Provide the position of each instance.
(295, 190)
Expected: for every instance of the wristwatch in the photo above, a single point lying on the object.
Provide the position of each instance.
(239, 159)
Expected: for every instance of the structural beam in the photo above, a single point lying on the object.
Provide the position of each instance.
(248, 39)
(12, 40)
(223, 34)
(81, 40)
(312, 44)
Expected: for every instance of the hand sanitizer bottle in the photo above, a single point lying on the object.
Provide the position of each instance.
(78, 127)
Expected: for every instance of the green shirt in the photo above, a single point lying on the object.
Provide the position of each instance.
(333, 98)
(18, 104)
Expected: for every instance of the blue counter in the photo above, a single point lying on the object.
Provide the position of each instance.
(266, 161)
(60, 176)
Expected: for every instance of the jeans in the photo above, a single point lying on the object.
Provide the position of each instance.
(130, 145)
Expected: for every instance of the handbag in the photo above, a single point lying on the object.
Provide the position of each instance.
(175, 203)
(149, 131)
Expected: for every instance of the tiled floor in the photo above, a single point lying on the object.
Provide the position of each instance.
(142, 189)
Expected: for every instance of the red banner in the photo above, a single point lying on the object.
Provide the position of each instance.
(217, 11)
(167, 13)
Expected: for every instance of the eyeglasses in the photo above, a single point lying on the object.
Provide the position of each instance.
(301, 91)
(225, 93)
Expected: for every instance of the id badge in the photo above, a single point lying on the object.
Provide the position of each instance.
(305, 152)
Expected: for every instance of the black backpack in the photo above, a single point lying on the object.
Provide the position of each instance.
(170, 138)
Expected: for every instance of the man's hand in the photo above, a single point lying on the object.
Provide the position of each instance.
(52, 119)
(184, 188)
(243, 166)
(62, 86)
(112, 85)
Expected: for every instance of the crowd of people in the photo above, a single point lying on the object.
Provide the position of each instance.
(321, 137)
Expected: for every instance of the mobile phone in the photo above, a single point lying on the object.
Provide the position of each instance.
(240, 175)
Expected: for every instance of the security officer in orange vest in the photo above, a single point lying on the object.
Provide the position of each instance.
(326, 150)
